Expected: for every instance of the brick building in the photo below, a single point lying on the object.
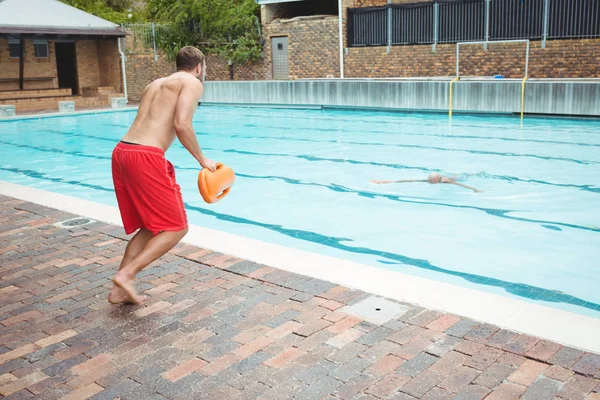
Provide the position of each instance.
(51, 52)
(302, 38)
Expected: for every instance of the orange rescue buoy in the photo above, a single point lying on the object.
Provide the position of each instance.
(214, 186)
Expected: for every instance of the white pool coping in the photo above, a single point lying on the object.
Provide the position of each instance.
(560, 326)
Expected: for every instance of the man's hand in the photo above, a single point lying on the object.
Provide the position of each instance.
(210, 164)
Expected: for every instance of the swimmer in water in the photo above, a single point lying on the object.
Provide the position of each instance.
(433, 178)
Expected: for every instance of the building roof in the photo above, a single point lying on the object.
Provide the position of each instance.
(51, 17)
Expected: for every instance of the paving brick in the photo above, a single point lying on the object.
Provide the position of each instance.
(413, 348)
(443, 346)
(95, 362)
(219, 365)
(251, 362)
(558, 373)
(473, 392)
(284, 357)
(481, 333)
(511, 359)
(406, 334)
(494, 375)
(312, 342)
(443, 322)
(84, 393)
(461, 328)
(351, 369)
(345, 338)
(459, 379)
(385, 365)
(423, 383)
(543, 350)
(577, 388)
(184, 369)
(282, 318)
(22, 383)
(588, 364)
(375, 336)
(320, 389)
(344, 324)
(448, 363)
(438, 394)
(388, 385)
(501, 338)
(18, 352)
(417, 365)
(527, 373)
(541, 389)
(521, 344)
(288, 328)
(566, 357)
(352, 388)
(507, 391)
(484, 358)
(314, 373)
(395, 325)
(56, 338)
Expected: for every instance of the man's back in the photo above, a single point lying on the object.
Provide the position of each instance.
(155, 121)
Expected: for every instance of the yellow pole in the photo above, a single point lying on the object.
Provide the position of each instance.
(523, 96)
(450, 106)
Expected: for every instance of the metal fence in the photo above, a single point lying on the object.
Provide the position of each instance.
(145, 36)
(452, 21)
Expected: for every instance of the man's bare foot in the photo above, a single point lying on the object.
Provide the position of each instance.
(125, 291)
(116, 295)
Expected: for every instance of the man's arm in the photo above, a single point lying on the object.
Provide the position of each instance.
(406, 181)
(184, 112)
(466, 187)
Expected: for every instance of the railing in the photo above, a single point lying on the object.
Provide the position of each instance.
(452, 21)
(146, 36)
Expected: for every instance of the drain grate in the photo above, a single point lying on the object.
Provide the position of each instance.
(74, 222)
(376, 310)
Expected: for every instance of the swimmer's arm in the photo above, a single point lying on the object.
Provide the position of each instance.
(405, 181)
(466, 187)
(184, 112)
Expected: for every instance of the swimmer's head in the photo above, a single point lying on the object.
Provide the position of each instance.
(434, 178)
(192, 60)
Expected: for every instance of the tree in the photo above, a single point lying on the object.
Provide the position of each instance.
(230, 28)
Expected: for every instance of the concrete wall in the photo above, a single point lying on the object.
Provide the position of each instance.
(541, 97)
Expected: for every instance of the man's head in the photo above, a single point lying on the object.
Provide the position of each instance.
(190, 59)
(434, 178)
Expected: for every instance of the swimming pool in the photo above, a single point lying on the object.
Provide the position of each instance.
(304, 182)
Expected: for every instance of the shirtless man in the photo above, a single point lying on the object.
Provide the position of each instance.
(149, 197)
(433, 178)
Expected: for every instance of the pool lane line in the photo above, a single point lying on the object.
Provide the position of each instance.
(517, 289)
(490, 211)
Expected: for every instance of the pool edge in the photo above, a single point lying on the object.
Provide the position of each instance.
(560, 326)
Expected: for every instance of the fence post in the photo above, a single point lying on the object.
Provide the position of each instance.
(435, 24)
(546, 22)
(487, 24)
(154, 42)
(389, 32)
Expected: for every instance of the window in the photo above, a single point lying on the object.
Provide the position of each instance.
(14, 47)
(41, 48)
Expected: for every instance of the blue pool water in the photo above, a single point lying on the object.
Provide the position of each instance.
(303, 182)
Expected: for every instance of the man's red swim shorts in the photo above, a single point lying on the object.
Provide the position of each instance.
(147, 192)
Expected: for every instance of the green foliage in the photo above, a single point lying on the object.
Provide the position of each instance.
(229, 28)
(116, 11)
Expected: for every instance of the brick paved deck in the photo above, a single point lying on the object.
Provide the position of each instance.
(216, 327)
